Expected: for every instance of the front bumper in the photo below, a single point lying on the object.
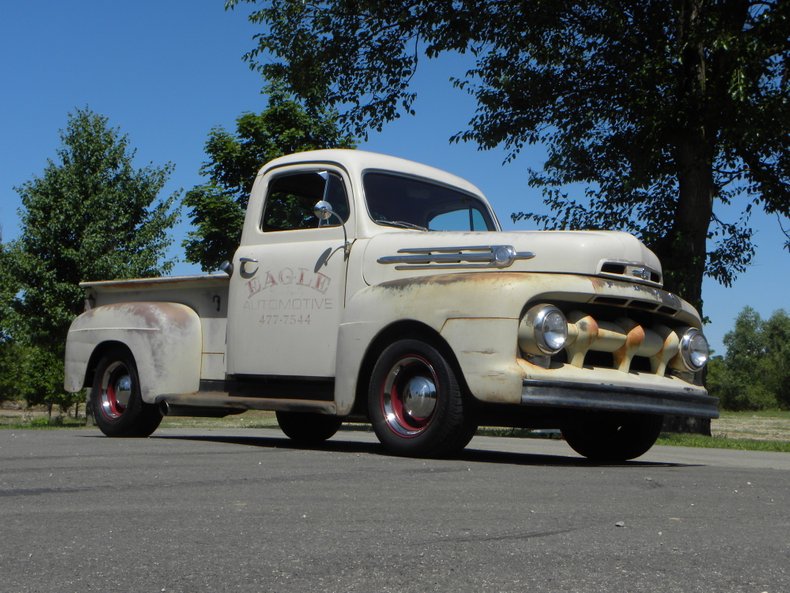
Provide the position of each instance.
(618, 398)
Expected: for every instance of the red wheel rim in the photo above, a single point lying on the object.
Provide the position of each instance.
(115, 390)
(409, 395)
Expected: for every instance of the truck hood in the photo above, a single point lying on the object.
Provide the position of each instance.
(610, 254)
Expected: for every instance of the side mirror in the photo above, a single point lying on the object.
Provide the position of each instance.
(226, 267)
(323, 210)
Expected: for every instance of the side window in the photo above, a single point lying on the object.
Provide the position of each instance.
(290, 199)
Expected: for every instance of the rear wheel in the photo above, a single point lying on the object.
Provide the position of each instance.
(415, 402)
(308, 428)
(614, 437)
(118, 407)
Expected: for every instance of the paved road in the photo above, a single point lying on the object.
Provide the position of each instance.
(198, 511)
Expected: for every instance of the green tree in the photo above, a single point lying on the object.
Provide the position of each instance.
(665, 111)
(754, 373)
(217, 208)
(90, 216)
(776, 365)
(9, 351)
(9, 286)
(27, 372)
(736, 381)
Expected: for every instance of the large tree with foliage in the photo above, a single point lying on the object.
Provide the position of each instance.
(665, 111)
(754, 373)
(91, 215)
(217, 207)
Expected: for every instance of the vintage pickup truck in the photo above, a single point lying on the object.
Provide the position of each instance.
(373, 289)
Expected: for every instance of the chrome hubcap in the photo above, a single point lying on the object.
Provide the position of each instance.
(116, 390)
(419, 397)
(409, 396)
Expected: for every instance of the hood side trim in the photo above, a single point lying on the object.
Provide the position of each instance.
(474, 256)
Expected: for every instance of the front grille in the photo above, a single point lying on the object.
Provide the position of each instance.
(635, 304)
(627, 339)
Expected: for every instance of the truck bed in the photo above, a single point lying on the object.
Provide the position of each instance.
(207, 295)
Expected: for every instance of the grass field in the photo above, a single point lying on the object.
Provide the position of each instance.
(766, 425)
(755, 431)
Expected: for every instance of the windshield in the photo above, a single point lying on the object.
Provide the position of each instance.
(406, 202)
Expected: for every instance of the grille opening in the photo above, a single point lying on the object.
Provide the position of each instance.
(612, 268)
(644, 305)
(618, 311)
(611, 301)
(611, 308)
(594, 358)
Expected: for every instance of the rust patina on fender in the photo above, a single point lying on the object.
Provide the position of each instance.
(478, 314)
(164, 338)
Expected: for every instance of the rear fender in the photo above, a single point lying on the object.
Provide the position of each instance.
(164, 339)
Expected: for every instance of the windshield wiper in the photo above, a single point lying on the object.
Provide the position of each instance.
(400, 224)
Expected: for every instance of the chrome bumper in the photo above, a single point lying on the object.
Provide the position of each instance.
(616, 398)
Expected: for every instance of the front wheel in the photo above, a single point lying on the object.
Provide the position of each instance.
(415, 402)
(307, 428)
(614, 437)
(118, 407)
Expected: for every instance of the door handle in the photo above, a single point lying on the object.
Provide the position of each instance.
(243, 267)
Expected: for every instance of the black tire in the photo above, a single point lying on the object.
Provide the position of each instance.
(614, 437)
(416, 404)
(308, 429)
(118, 407)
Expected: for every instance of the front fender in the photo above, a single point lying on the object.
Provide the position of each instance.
(477, 314)
(164, 338)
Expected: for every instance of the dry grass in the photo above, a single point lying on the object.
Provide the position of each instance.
(759, 426)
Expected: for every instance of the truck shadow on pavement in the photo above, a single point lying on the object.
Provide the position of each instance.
(470, 454)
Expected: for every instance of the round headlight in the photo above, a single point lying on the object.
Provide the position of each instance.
(544, 330)
(694, 349)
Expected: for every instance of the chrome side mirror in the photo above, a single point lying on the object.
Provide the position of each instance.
(226, 267)
(323, 211)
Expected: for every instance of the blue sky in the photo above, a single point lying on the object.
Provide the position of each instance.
(165, 72)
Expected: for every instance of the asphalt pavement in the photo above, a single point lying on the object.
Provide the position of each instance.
(194, 510)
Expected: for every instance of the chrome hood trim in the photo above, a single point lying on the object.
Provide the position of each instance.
(455, 258)
(607, 254)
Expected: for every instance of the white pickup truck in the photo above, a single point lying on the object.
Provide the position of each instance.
(373, 289)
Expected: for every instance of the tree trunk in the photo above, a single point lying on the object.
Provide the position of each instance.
(686, 243)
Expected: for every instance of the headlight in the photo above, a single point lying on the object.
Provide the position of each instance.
(544, 330)
(694, 349)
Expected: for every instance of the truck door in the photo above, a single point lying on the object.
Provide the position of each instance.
(288, 287)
